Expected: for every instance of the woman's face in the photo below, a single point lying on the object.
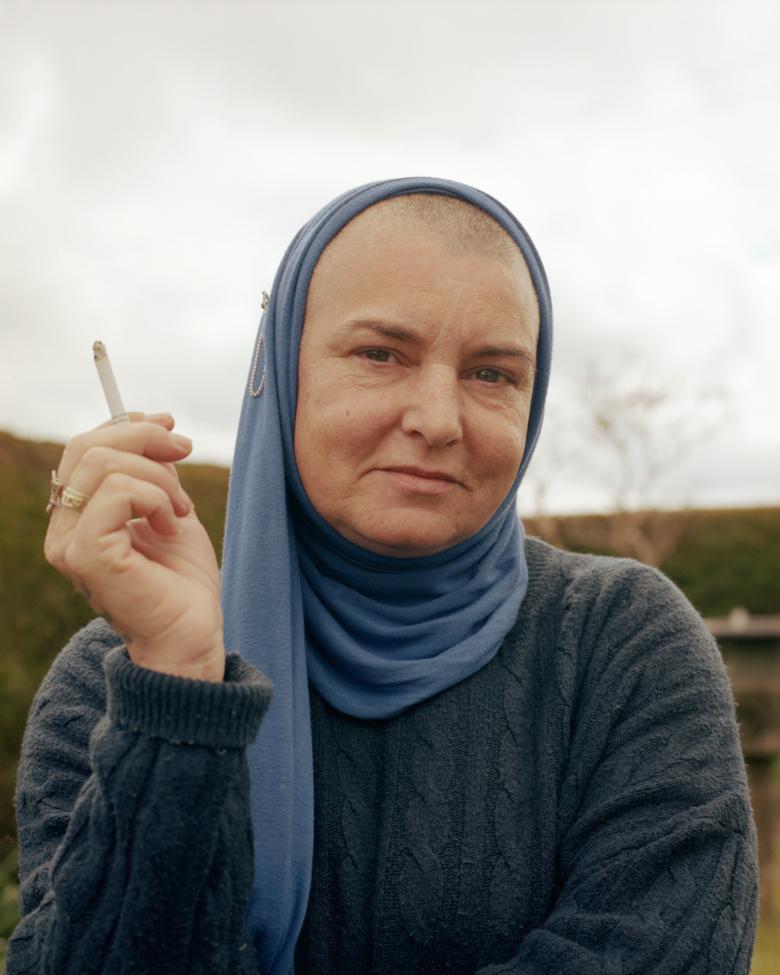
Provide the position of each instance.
(414, 387)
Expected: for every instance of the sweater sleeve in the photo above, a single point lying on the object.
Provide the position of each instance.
(657, 856)
(133, 817)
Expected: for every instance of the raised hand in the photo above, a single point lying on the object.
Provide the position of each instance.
(136, 549)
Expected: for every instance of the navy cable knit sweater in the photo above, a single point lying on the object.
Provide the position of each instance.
(577, 806)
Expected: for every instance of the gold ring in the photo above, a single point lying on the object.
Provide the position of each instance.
(71, 498)
(62, 496)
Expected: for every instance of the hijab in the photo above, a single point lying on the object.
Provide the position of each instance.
(374, 634)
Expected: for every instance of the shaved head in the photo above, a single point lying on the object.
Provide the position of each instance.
(465, 227)
(461, 227)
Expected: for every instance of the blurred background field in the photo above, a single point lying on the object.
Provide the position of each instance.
(721, 559)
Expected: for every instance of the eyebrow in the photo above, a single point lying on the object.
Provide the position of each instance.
(402, 334)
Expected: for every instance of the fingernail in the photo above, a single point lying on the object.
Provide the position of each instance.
(158, 417)
(184, 442)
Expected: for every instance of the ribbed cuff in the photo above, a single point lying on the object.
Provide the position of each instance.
(182, 710)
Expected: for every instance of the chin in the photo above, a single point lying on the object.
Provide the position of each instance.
(406, 540)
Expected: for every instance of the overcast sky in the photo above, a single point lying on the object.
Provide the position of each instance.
(156, 159)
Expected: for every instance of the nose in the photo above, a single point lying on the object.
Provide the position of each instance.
(433, 409)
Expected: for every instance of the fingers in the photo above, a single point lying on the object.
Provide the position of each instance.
(118, 499)
(164, 419)
(151, 440)
(121, 497)
(145, 449)
(99, 463)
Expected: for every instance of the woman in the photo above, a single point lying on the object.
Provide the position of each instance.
(482, 754)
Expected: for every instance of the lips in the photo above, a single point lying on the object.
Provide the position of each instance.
(416, 481)
(422, 472)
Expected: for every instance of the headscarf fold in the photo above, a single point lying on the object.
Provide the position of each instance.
(374, 634)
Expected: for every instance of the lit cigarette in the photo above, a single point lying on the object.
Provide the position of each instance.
(107, 381)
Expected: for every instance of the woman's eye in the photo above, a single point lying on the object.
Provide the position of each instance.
(377, 355)
(491, 376)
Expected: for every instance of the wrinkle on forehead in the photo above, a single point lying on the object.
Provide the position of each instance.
(458, 227)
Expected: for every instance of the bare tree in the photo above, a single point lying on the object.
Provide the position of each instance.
(628, 433)
(644, 429)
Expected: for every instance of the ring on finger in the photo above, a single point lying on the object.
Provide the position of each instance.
(64, 496)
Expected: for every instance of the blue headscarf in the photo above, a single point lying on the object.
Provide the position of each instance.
(374, 634)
